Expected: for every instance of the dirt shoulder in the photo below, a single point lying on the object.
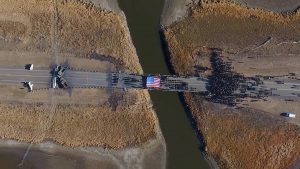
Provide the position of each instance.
(253, 42)
(82, 36)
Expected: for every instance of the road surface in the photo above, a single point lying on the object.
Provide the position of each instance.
(12, 76)
(42, 78)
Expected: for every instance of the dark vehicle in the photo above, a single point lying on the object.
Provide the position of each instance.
(60, 71)
(29, 66)
(63, 83)
(279, 82)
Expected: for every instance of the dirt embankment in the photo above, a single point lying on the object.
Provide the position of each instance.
(254, 42)
(80, 34)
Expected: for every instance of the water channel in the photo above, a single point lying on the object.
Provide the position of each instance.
(143, 17)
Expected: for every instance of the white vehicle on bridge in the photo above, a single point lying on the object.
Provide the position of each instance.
(287, 114)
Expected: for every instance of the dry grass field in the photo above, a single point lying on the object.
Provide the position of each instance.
(78, 125)
(231, 28)
(246, 138)
(64, 28)
(84, 37)
(253, 42)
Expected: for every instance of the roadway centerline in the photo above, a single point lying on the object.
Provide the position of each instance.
(16, 81)
(10, 75)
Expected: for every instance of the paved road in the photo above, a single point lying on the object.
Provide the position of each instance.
(290, 88)
(177, 83)
(276, 87)
(121, 80)
(12, 76)
(86, 79)
(287, 88)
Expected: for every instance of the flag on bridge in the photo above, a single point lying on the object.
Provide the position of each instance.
(153, 82)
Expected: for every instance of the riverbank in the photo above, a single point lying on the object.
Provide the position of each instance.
(76, 33)
(238, 137)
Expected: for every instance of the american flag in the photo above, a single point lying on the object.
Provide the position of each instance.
(153, 82)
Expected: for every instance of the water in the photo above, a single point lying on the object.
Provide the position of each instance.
(143, 17)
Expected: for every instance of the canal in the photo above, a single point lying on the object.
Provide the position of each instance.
(143, 17)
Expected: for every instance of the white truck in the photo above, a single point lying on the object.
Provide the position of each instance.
(54, 84)
(288, 114)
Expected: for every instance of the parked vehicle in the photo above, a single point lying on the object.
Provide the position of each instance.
(29, 85)
(60, 71)
(288, 114)
(63, 83)
(54, 84)
(29, 66)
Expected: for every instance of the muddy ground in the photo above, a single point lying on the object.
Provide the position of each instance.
(48, 156)
(253, 42)
(82, 36)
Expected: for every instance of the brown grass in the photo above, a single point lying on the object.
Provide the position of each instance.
(81, 28)
(237, 29)
(237, 11)
(72, 30)
(74, 125)
(80, 125)
(105, 35)
(211, 27)
(247, 138)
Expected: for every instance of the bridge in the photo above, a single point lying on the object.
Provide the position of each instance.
(82, 79)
